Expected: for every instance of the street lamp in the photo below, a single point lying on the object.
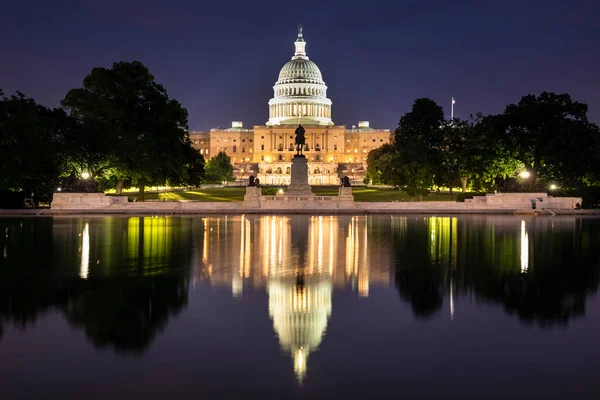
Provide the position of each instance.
(553, 187)
(85, 175)
(525, 174)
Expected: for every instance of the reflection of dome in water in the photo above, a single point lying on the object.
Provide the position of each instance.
(300, 314)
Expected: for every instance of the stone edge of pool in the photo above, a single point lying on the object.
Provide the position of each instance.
(333, 211)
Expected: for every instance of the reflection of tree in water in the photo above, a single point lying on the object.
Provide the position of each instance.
(122, 313)
(115, 311)
(542, 270)
(127, 314)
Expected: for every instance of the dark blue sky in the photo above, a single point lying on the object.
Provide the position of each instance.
(220, 59)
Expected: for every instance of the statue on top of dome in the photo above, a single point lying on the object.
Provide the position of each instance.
(300, 140)
(300, 32)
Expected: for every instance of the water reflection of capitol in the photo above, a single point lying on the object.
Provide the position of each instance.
(299, 261)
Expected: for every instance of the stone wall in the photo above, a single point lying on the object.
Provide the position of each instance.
(526, 200)
(66, 201)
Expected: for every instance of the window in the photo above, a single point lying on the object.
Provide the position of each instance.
(374, 140)
(262, 137)
(381, 140)
(262, 158)
(262, 146)
(243, 149)
(234, 148)
(335, 147)
(291, 148)
(243, 140)
(335, 137)
(250, 140)
(280, 159)
(317, 147)
(234, 140)
(291, 137)
(280, 137)
(280, 147)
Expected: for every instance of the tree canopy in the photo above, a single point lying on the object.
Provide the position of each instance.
(219, 169)
(30, 140)
(138, 134)
(551, 136)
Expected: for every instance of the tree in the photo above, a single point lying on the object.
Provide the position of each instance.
(470, 151)
(219, 169)
(418, 141)
(144, 132)
(551, 136)
(30, 159)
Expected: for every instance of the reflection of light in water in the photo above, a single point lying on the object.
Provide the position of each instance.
(524, 248)
(356, 255)
(85, 252)
(443, 240)
(205, 241)
(300, 312)
(451, 300)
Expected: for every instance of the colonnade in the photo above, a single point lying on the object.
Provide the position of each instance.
(300, 109)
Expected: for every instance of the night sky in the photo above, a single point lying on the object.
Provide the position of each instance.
(220, 59)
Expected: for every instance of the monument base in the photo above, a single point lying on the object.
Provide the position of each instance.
(299, 178)
(253, 197)
(345, 194)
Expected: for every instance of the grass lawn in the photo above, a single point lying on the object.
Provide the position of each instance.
(237, 194)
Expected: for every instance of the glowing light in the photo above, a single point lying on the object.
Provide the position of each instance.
(451, 302)
(524, 248)
(85, 252)
(280, 191)
(552, 187)
(85, 175)
(525, 174)
(59, 189)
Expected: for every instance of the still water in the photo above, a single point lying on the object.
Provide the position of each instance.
(300, 307)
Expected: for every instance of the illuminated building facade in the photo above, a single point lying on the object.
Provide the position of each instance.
(300, 97)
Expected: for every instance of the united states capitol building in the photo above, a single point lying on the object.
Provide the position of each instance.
(266, 151)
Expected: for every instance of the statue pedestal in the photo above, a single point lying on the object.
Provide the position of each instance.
(345, 194)
(253, 197)
(299, 178)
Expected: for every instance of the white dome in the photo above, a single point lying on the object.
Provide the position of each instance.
(300, 95)
(301, 70)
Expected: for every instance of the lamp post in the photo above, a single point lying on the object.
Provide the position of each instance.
(452, 109)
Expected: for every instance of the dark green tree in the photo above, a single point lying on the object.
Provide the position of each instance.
(144, 132)
(30, 157)
(219, 169)
(418, 139)
(551, 136)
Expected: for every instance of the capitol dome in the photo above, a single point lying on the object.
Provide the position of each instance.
(300, 94)
(301, 69)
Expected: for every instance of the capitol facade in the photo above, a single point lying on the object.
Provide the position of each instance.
(266, 151)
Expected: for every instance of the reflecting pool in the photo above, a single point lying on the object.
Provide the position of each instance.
(295, 306)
